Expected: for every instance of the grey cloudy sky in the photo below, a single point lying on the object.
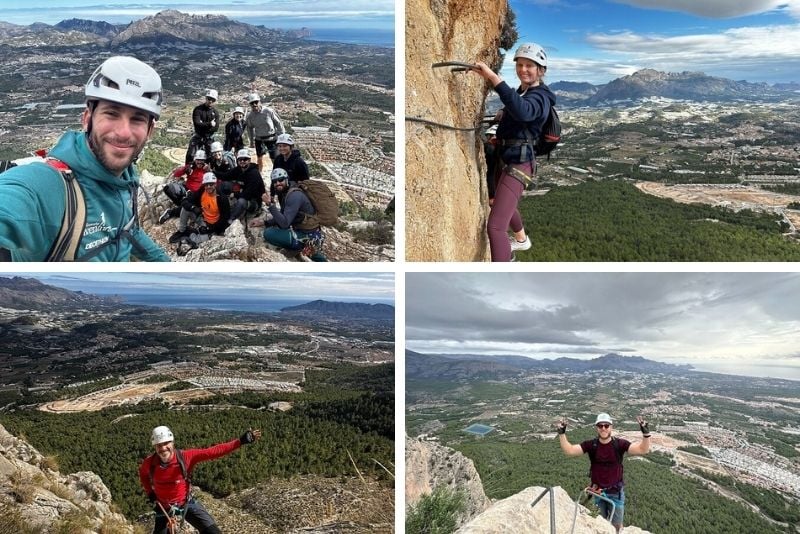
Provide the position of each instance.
(670, 317)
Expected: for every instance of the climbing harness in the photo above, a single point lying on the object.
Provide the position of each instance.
(174, 526)
(597, 493)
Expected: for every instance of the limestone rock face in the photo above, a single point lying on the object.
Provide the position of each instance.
(429, 466)
(34, 495)
(514, 515)
(446, 191)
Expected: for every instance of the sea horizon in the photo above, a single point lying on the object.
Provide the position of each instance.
(225, 302)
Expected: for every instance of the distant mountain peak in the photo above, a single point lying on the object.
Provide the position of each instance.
(342, 309)
(29, 293)
(647, 83)
(176, 26)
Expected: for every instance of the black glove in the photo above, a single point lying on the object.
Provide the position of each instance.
(151, 497)
(247, 438)
(561, 428)
(643, 426)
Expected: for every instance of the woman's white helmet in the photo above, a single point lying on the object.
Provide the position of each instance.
(126, 80)
(279, 175)
(284, 139)
(200, 154)
(209, 178)
(253, 97)
(238, 109)
(532, 51)
(161, 434)
(216, 146)
(212, 93)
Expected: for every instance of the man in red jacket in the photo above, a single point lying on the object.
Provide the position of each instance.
(166, 478)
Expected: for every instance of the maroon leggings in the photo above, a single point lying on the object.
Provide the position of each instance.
(504, 214)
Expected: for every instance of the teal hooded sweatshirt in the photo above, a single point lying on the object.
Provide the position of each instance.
(32, 204)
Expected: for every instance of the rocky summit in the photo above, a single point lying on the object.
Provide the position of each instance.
(36, 497)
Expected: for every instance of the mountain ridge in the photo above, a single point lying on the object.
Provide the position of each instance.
(687, 85)
(29, 293)
(168, 25)
(452, 366)
(342, 309)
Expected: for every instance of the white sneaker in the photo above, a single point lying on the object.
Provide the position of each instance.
(519, 245)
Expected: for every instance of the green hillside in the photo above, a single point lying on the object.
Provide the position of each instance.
(613, 221)
(326, 423)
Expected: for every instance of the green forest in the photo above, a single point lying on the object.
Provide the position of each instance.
(348, 409)
(656, 498)
(613, 221)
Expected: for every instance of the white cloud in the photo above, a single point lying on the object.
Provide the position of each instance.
(678, 317)
(714, 8)
(756, 53)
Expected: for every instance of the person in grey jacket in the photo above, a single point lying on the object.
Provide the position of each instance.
(263, 128)
(293, 225)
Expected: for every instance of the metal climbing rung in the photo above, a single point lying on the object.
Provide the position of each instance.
(457, 65)
(589, 492)
(552, 507)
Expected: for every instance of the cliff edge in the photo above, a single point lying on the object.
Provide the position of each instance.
(446, 191)
(35, 497)
(514, 515)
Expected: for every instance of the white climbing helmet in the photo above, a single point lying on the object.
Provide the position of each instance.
(212, 93)
(243, 153)
(128, 81)
(209, 178)
(216, 146)
(532, 51)
(278, 175)
(161, 434)
(200, 154)
(603, 418)
(238, 109)
(253, 97)
(284, 139)
(492, 130)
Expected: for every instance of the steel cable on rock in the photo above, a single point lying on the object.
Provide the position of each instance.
(457, 66)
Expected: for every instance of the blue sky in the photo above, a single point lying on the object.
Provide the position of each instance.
(600, 40)
(361, 287)
(284, 14)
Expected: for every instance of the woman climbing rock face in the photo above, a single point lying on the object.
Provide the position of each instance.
(520, 123)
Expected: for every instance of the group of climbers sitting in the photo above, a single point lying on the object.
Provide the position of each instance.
(216, 192)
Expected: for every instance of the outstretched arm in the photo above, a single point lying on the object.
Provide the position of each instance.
(218, 451)
(568, 448)
(641, 447)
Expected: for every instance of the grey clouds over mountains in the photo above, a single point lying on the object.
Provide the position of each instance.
(671, 317)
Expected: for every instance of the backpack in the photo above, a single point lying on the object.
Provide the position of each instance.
(324, 202)
(550, 136)
(181, 462)
(72, 225)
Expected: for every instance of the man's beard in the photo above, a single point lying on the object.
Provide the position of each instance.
(95, 145)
